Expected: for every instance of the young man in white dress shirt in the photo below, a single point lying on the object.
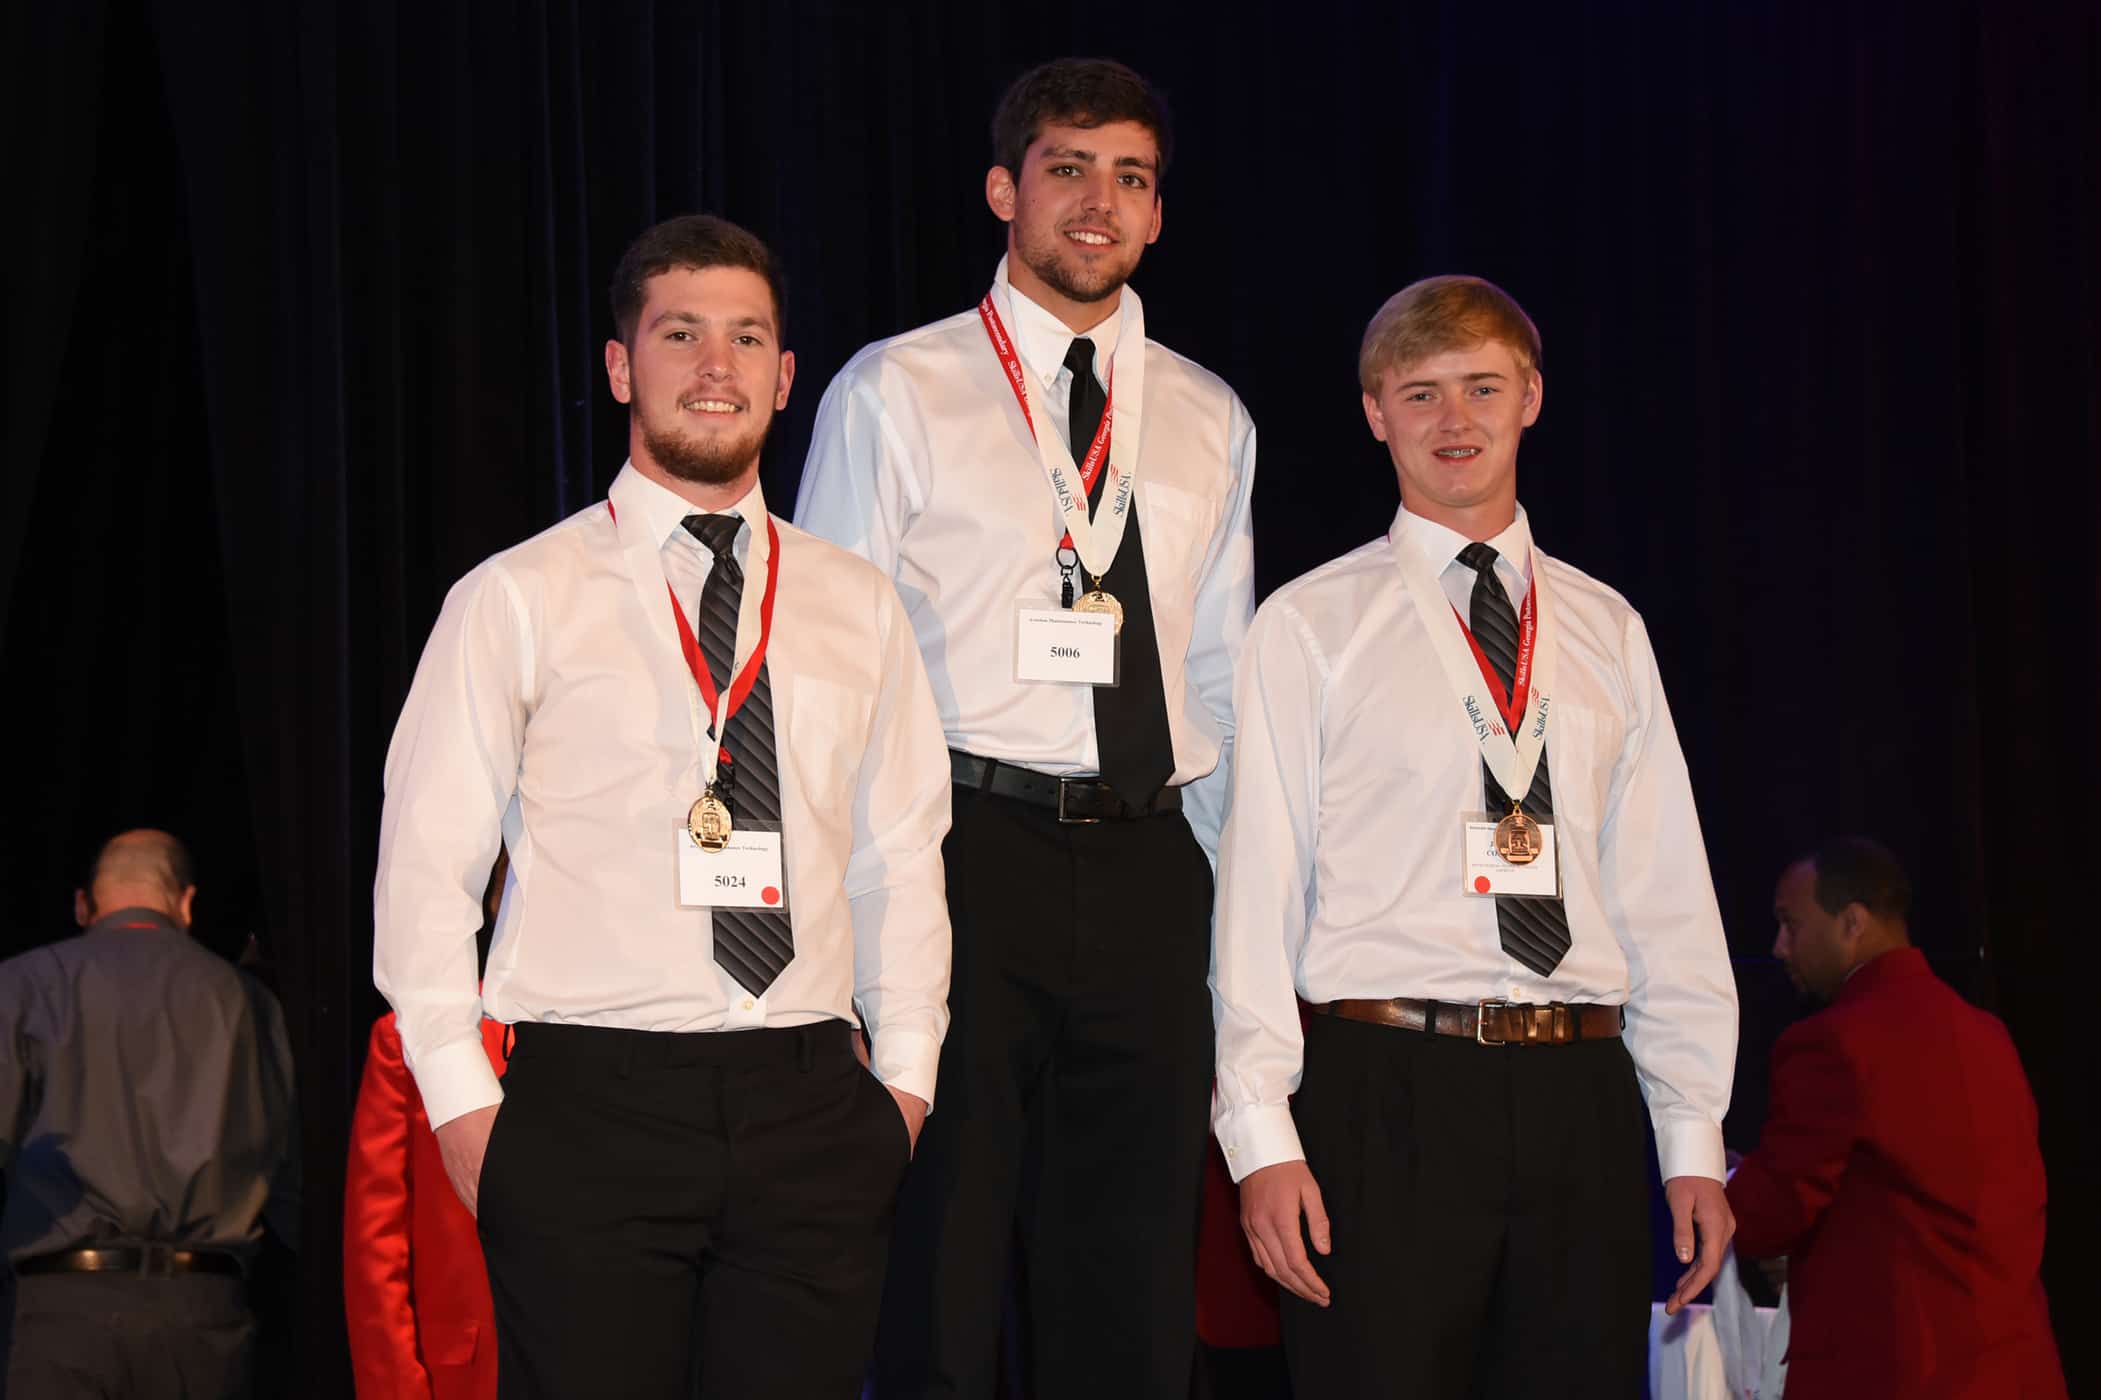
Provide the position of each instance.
(1496, 985)
(1063, 505)
(685, 1172)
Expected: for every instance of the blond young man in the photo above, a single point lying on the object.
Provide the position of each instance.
(1455, 1203)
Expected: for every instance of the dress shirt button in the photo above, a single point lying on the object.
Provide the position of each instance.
(747, 1003)
(1231, 1153)
(1517, 994)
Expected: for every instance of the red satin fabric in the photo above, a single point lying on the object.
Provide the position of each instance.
(415, 1291)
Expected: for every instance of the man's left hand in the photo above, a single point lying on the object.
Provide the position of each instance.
(1699, 1207)
(913, 1108)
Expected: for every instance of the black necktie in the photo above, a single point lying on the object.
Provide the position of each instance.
(1535, 931)
(1130, 719)
(752, 944)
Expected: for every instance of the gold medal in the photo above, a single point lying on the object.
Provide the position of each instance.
(1517, 838)
(1100, 602)
(708, 822)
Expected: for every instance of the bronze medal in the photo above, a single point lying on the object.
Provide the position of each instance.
(708, 822)
(1100, 602)
(1517, 838)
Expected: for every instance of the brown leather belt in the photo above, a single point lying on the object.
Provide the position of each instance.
(1489, 1022)
(1077, 801)
(148, 1261)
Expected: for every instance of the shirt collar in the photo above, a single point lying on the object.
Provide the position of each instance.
(1895, 965)
(1439, 546)
(665, 511)
(131, 920)
(1042, 339)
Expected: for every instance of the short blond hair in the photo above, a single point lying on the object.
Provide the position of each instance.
(1443, 313)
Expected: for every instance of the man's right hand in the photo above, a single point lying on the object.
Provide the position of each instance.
(1271, 1202)
(461, 1144)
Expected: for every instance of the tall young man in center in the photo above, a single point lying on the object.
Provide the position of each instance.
(1064, 508)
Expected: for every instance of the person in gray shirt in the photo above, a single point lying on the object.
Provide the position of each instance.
(146, 1130)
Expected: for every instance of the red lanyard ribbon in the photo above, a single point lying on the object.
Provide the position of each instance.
(741, 684)
(1010, 361)
(1510, 702)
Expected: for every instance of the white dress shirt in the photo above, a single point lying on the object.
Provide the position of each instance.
(922, 462)
(1339, 873)
(553, 705)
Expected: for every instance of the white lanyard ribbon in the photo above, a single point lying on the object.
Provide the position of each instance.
(1512, 759)
(1095, 538)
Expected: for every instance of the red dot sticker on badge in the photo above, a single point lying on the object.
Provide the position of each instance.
(770, 895)
(1480, 884)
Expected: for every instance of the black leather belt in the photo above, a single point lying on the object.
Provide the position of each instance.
(1489, 1022)
(1073, 799)
(147, 1261)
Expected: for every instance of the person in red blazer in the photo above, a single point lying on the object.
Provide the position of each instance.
(1898, 1170)
(415, 1291)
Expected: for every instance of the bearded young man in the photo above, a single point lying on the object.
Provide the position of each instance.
(709, 744)
(1063, 505)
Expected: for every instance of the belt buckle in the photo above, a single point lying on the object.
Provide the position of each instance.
(156, 1261)
(1481, 1020)
(1072, 821)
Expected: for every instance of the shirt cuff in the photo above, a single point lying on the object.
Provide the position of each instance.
(1258, 1136)
(455, 1079)
(908, 1060)
(1690, 1148)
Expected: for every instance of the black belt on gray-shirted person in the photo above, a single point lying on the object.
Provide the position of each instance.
(146, 1261)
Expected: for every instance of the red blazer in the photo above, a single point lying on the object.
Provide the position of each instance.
(415, 1291)
(1899, 1173)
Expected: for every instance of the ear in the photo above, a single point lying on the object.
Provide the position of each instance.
(780, 395)
(185, 904)
(83, 912)
(1376, 416)
(1000, 193)
(616, 371)
(1153, 234)
(1535, 395)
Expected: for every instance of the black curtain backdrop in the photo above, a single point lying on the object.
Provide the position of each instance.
(305, 316)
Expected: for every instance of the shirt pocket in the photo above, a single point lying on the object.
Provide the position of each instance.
(826, 737)
(1177, 527)
(1583, 749)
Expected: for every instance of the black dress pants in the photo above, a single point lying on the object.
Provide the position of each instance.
(1489, 1214)
(671, 1215)
(93, 1336)
(1074, 1092)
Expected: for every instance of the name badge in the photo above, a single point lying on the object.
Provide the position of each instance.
(1055, 646)
(1485, 874)
(745, 874)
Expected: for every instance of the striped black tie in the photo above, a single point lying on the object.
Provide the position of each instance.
(753, 945)
(1535, 931)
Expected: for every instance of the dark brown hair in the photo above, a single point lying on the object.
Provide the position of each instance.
(1082, 92)
(690, 241)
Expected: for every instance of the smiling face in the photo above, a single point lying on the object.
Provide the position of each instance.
(702, 380)
(1451, 423)
(1079, 215)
